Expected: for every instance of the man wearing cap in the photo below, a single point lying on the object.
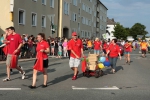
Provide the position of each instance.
(76, 48)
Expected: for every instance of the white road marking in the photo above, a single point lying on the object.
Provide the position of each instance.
(104, 88)
(10, 89)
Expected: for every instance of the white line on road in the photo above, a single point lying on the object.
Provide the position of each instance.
(10, 89)
(104, 88)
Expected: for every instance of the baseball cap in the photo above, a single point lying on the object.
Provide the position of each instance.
(74, 34)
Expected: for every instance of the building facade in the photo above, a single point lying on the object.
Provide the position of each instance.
(56, 18)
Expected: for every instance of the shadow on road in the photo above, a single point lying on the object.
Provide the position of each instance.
(108, 71)
(59, 79)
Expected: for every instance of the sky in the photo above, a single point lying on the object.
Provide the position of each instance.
(129, 12)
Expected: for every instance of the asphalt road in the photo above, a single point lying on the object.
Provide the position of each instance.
(131, 82)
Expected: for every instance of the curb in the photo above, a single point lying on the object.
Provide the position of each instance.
(31, 59)
(26, 60)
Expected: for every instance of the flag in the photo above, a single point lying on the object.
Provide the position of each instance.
(83, 65)
(5, 50)
(39, 63)
(13, 63)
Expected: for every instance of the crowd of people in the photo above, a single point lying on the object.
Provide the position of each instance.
(13, 44)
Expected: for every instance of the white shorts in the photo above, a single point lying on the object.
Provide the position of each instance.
(74, 62)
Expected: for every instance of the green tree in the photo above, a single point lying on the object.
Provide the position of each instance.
(120, 32)
(138, 29)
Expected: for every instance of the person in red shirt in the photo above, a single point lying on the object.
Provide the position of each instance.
(97, 46)
(76, 48)
(15, 44)
(113, 51)
(104, 46)
(128, 49)
(42, 47)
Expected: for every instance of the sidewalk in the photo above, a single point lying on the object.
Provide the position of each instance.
(51, 58)
(30, 59)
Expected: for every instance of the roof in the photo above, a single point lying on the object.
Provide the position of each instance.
(102, 4)
(111, 21)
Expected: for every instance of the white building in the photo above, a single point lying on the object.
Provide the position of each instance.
(110, 28)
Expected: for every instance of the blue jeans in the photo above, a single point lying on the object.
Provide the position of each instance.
(96, 52)
(113, 61)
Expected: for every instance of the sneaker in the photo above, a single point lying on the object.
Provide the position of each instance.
(21, 68)
(6, 79)
(32, 87)
(113, 71)
(23, 75)
(74, 78)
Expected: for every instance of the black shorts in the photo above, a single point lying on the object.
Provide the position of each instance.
(45, 63)
(104, 51)
(143, 51)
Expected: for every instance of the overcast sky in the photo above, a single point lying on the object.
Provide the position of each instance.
(129, 12)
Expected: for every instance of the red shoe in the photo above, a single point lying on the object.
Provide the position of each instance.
(74, 78)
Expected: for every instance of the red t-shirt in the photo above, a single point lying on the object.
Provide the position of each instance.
(127, 47)
(97, 45)
(114, 50)
(15, 41)
(76, 46)
(42, 45)
(105, 46)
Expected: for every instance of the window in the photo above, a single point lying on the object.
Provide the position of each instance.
(52, 3)
(21, 17)
(74, 17)
(95, 14)
(43, 21)
(66, 8)
(83, 20)
(87, 9)
(89, 23)
(83, 7)
(44, 2)
(34, 19)
(79, 11)
(52, 18)
(75, 2)
(94, 24)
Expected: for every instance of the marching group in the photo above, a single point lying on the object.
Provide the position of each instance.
(13, 43)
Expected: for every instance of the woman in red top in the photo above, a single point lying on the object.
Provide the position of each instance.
(97, 46)
(42, 47)
(105, 46)
(113, 51)
(128, 48)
